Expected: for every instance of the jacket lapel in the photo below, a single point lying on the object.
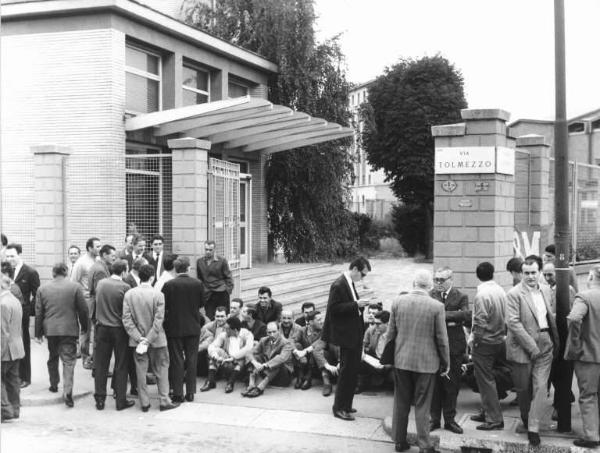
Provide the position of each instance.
(530, 304)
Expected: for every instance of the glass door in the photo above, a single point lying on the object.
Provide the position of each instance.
(245, 221)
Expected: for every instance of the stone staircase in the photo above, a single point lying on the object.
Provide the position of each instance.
(292, 284)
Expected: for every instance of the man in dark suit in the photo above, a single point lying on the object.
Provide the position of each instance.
(28, 281)
(214, 272)
(456, 305)
(156, 257)
(138, 243)
(268, 309)
(421, 351)
(59, 305)
(343, 326)
(184, 297)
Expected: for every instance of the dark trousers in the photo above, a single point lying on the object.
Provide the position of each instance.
(485, 357)
(25, 362)
(109, 340)
(348, 378)
(183, 356)
(409, 385)
(11, 388)
(446, 391)
(64, 348)
(214, 300)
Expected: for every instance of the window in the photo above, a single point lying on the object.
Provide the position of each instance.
(196, 86)
(142, 81)
(576, 127)
(236, 90)
(596, 124)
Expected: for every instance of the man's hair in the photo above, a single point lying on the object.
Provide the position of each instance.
(514, 264)
(137, 264)
(3, 239)
(7, 269)
(423, 279)
(485, 271)
(384, 316)
(444, 270)
(532, 259)
(129, 234)
(209, 242)
(60, 269)
(312, 315)
(234, 323)
(550, 249)
(137, 238)
(306, 305)
(221, 308)
(238, 300)
(264, 289)
(182, 264)
(106, 249)
(376, 306)
(89, 244)
(251, 310)
(74, 247)
(4, 281)
(360, 263)
(169, 261)
(157, 237)
(146, 272)
(17, 247)
(118, 267)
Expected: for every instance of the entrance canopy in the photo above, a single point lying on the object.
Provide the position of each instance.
(246, 123)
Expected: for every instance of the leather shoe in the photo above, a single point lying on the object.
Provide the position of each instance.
(189, 397)
(306, 384)
(585, 443)
(167, 407)
(69, 400)
(53, 388)
(327, 389)
(245, 392)
(339, 413)
(402, 446)
(126, 405)
(434, 425)
(478, 417)
(177, 399)
(490, 426)
(207, 386)
(253, 393)
(229, 387)
(298, 383)
(534, 438)
(351, 410)
(453, 426)
(146, 408)
(100, 401)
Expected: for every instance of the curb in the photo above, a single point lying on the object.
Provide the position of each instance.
(52, 398)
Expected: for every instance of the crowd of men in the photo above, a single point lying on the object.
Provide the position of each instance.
(142, 311)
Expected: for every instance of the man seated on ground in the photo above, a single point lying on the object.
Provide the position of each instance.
(302, 355)
(271, 362)
(371, 371)
(327, 360)
(288, 328)
(228, 352)
(306, 308)
(208, 334)
(372, 310)
(254, 325)
(267, 309)
(235, 308)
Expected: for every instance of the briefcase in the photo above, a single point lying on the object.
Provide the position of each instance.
(387, 356)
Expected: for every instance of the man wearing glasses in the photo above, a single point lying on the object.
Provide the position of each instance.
(456, 305)
(344, 327)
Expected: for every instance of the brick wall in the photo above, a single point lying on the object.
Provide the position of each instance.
(65, 88)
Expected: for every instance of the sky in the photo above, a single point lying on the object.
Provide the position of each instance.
(503, 48)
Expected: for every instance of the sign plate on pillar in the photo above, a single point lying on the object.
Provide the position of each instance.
(474, 160)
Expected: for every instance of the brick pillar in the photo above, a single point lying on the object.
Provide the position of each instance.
(474, 211)
(190, 196)
(50, 222)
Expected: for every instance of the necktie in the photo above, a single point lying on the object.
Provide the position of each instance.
(355, 292)
(444, 297)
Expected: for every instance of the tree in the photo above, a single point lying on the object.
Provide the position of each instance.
(306, 187)
(403, 104)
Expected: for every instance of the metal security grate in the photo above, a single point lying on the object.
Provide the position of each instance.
(149, 192)
(224, 214)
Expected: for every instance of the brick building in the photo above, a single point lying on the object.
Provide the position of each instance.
(116, 115)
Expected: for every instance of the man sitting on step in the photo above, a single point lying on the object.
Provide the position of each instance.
(327, 359)
(306, 308)
(228, 352)
(208, 334)
(252, 323)
(271, 362)
(304, 363)
(288, 328)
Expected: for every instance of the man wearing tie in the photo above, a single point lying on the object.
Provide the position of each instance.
(456, 305)
(156, 256)
(343, 326)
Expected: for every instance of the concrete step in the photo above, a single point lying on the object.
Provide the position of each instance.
(282, 290)
(287, 277)
(281, 269)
